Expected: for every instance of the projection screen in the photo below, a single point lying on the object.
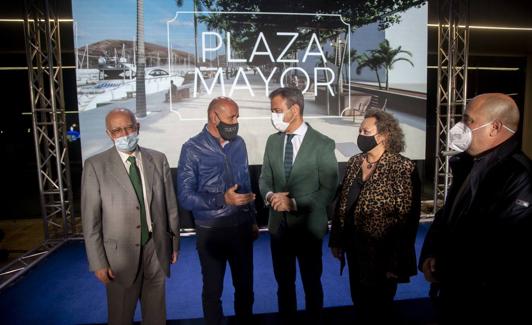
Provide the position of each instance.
(342, 65)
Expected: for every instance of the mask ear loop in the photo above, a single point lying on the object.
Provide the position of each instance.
(507, 128)
(504, 126)
(218, 116)
(383, 140)
(483, 125)
(290, 108)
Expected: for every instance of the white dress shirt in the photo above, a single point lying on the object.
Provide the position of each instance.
(297, 140)
(127, 164)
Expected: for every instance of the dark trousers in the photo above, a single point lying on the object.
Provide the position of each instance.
(287, 247)
(473, 303)
(216, 247)
(149, 287)
(373, 301)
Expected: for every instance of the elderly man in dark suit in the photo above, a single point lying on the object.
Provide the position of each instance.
(298, 180)
(130, 222)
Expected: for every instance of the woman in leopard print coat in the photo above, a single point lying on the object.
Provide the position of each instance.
(376, 217)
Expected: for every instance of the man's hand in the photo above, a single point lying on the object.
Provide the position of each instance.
(174, 257)
(391, 275)
(429, 267)
(104, 275)
(255, 231)
(338, 253)
(233, 198)
(281, 202)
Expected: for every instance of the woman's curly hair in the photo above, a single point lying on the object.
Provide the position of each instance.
(388, 126)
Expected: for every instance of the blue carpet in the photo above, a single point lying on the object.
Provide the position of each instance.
(60, 290)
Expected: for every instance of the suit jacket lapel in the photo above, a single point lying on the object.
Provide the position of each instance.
(119, 172)
(304, 150)
(148, 167)
(277, 158)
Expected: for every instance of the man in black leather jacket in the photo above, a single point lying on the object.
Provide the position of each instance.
(479, 246)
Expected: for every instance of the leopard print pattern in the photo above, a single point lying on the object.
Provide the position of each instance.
(385, 199)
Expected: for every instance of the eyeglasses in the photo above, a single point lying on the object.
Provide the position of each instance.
(127, 130)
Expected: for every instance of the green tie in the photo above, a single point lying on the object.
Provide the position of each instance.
(288, 155)
(134, 176)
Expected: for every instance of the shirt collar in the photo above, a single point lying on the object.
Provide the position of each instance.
(124, 156)
(497, 153)
(213, 138)
(301, 130)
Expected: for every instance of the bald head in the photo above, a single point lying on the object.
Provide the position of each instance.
(221, 110)
(221, 104)
(224, 109)
(119, 113)
(497, 106)
(493, 118)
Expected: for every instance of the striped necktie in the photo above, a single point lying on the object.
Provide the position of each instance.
(134, 176)
(288, 155)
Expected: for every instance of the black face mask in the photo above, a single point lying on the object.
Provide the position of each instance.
(366, 142)
(227, 131)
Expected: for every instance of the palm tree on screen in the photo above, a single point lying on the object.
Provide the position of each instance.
(388, 56)
(141, 63)
(371, 61)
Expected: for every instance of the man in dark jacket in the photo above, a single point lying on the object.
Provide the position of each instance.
(479, 247)
(214, 183)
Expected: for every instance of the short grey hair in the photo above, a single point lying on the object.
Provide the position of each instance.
(120, 110)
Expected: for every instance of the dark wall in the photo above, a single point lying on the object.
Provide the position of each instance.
(21, 190)
(487, 49)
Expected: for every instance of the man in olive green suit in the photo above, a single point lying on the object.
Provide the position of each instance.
(298, 180)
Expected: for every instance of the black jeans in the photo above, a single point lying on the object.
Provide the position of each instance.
(216, 247)
(289, 246)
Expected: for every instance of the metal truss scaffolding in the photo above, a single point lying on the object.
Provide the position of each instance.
(45, 76)
(453, 51)
(15, 269)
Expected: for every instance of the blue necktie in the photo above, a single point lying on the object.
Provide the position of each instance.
(288, 155)
(134, 176)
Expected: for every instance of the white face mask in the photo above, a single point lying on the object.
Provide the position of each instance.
(278, 122)
(461, 135)
(127, 143)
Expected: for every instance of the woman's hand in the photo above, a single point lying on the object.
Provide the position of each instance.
(337, 253)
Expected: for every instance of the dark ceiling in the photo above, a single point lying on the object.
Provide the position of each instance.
(509, 13)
